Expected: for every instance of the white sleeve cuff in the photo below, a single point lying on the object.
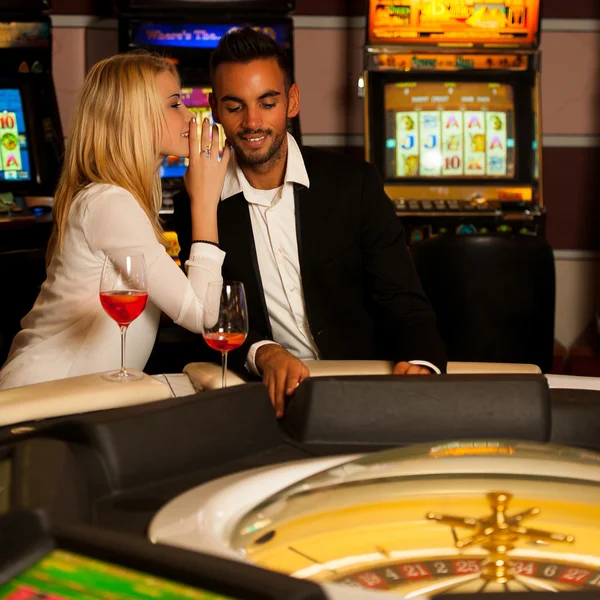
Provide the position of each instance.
(250, 364)
(424, 363)
(202, 252)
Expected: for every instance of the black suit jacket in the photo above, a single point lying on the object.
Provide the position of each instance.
(362, 295)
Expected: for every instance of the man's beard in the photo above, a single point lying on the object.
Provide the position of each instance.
(259, 156)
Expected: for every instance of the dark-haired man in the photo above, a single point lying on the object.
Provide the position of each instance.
(311, 234)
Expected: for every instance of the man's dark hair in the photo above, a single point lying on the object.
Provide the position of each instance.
(245, 45)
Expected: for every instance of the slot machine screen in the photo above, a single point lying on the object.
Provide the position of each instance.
(459, 130)
(14, 146)
(196, 100)
(63, 575)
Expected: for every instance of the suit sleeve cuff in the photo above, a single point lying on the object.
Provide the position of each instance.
(424, 363)
(250, 363)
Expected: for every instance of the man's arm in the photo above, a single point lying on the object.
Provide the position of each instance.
(404, 316)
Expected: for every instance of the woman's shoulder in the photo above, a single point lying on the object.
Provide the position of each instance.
(94, 191)
(106, 198)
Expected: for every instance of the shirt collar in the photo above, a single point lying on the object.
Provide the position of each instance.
(295, 171)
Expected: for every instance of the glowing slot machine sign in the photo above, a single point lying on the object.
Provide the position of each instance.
(14, 156)
(459, 130)
(444, 22)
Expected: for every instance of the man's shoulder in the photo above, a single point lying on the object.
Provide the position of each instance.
(329, 162)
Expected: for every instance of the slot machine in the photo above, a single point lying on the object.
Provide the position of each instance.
(47, 561)
(31, 139)
(187, 32)
(452, 113)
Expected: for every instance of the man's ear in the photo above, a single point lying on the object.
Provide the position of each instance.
(213, 108)
(293, 101)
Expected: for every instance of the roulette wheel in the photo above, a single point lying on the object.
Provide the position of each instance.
(469, 516)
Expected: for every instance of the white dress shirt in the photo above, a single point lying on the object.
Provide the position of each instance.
(273, 218)
(67, 332)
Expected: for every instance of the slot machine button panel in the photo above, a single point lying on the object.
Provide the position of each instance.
(478, 201)
(403, 205)
(466, 229)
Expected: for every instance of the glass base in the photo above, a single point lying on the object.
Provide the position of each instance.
(122, 376)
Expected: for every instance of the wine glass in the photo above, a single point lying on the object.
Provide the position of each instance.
(123, 295)
(225, 323)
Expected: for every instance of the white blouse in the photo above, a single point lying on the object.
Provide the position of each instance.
(67, 332)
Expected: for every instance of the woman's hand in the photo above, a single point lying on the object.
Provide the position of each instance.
(205, 174)
(204, 180)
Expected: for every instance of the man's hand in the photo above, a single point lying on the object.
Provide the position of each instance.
(281, 373)
(406, 368)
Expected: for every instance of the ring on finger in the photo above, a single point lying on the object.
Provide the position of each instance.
(206, 152)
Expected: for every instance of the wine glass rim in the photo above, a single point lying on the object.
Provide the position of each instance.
(124, 270)
(226, 282)
(124, 252)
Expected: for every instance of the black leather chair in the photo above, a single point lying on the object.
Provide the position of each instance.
(493, 295)
(22, 273)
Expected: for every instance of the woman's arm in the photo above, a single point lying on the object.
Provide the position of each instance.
(115, 221)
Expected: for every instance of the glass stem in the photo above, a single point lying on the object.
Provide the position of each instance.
(224, 369)
(123, 372)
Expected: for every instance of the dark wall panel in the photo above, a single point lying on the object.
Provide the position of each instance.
(576, 9)
(328, 7)
(572, 197)
(100, 8)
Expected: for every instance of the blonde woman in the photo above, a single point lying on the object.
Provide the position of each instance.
(128, 117)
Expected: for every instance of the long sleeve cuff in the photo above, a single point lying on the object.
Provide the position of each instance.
(250, 357)
(205, 252)
(424, 363)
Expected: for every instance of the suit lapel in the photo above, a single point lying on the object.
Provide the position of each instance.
(309, 230)
(312, 222)
(241, 262)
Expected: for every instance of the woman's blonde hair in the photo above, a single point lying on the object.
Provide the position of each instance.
(114, 136)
